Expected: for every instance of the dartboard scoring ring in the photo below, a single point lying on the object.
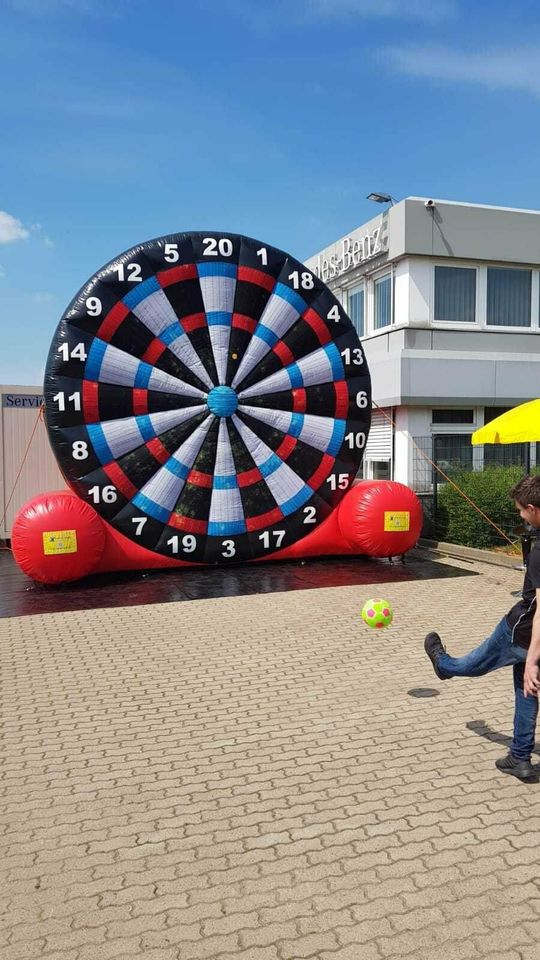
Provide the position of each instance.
(208, 396)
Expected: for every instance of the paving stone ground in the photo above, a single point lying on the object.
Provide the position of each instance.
(250, 778)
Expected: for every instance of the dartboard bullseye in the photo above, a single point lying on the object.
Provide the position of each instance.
(208, 396)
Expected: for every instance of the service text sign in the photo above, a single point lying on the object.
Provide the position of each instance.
(23, 401)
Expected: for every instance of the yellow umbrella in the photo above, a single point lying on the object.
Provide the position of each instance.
(520, 425)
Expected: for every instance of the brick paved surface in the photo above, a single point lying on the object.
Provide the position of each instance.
(250, 778)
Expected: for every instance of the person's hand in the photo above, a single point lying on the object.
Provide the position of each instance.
(531, 681)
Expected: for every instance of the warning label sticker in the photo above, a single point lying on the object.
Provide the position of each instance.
(396, 519)
(59, 541)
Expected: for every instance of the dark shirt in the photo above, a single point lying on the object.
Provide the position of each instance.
(520, 617)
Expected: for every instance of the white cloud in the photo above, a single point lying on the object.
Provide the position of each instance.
(496, 69)
(427, 10)
(11, 229)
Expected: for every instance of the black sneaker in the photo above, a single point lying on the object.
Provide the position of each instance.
(433, 646)
(522, 769)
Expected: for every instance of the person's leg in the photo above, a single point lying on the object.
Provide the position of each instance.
(497, 651)
(525, 715)
(517, 762)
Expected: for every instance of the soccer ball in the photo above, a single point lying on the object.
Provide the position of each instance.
(377, 613)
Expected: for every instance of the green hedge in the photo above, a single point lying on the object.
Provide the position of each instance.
(458, 522)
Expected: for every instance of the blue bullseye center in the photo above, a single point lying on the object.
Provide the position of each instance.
(222, 401)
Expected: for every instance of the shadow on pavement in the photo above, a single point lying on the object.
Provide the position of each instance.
(20, 596)
(484, 730)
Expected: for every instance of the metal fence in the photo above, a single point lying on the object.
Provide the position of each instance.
(452, 453)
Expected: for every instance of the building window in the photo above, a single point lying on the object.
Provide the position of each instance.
(491, 413)
(452, 416)
(452, 451)
(383, 302)
(380, 469)
(508, 297)
(356, 309)
(455, 294)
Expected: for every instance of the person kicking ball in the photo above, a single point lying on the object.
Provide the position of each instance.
(515, 642)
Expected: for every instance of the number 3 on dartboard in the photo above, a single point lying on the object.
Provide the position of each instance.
(230, 548)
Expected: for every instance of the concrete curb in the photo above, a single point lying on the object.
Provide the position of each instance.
(469, 553)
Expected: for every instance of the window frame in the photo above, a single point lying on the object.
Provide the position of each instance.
(481, 298)
(385, 275)
(511, 327)
(351, 291)
(458, 324)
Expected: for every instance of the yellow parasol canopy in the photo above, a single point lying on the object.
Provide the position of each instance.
(519, 425)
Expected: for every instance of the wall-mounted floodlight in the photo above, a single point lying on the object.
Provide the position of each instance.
(381, 198)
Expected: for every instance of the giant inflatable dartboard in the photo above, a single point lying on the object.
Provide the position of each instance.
(208, 396)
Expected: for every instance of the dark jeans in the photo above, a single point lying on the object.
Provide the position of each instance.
(495, 652)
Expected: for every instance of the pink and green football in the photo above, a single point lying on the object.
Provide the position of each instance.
(377, 613)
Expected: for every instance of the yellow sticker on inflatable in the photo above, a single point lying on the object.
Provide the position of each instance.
(396, 519)
(59, 541)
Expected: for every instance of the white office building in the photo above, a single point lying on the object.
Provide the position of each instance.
(445, 297)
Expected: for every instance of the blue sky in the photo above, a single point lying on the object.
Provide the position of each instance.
(123, 120)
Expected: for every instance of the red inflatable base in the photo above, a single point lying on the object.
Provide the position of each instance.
(57, 537)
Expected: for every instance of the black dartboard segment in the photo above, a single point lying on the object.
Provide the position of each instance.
(208, 395)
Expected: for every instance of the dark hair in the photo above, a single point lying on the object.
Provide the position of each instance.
(527, 491)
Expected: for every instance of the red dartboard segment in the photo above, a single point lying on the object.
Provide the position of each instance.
(285, 355)
(264, 520)
(219, 381)
(200, 479)
(140, 402)
(286, 447)
(244, 323)
(154, 351)
(299, 397)
(112, 321)
(90, 394)
(120, 480)
(187, 271)
(158, 451)
(320, 475)
(342, 398)
(249, 477)
(318, 325)
(197, 321)
(187, 524)
(249, 275)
